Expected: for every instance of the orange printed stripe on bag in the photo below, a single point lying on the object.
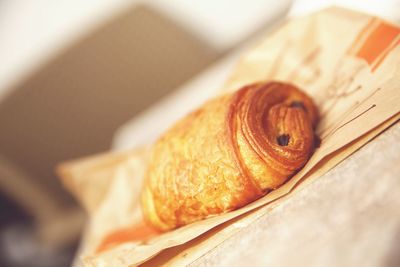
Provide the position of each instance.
(375, 41)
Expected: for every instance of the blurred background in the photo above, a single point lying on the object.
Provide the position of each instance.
(83, 77)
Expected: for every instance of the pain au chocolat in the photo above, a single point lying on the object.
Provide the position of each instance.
(231, 151)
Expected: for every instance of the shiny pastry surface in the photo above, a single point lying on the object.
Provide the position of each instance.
(229, 152)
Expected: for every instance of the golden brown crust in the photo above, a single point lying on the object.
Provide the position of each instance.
(231, 151)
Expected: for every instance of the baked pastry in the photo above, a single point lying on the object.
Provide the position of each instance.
(229, 152)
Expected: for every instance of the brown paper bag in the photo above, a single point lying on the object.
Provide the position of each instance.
(347, 61)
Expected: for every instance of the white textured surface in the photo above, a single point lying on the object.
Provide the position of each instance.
(223, 23)
(348, 217)
(387, 9)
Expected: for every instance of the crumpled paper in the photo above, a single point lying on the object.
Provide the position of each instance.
(347, 61)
